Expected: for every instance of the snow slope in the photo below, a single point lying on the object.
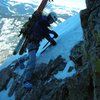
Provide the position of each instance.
(13, 15)
(70, 33)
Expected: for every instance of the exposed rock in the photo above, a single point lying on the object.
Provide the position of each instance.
(77, 54)
(90, 19)
(70, 69)
(46, 87)
(5, 76)
(43, 81)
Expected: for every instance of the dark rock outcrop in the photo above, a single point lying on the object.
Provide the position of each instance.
(47, 87)
(5, 76)
(90, 19)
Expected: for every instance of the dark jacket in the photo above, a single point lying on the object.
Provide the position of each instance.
(40, 30)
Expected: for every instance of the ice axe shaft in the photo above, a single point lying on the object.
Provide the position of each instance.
(46, 44)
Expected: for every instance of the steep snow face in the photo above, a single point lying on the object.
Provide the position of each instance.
(14, 13)
(70, 33)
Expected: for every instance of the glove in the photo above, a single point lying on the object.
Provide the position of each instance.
(55, 34)
(53, 42)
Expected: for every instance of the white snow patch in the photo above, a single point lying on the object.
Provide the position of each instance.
(65, 74)
(9, 61)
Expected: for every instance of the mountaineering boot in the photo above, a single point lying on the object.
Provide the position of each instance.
(27, 85)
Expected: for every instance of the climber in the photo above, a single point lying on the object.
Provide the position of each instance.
(38, 32)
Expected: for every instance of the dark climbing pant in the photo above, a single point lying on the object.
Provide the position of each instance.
(32, 48)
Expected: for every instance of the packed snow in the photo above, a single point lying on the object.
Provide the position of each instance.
(70, 33)
(64, 74)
